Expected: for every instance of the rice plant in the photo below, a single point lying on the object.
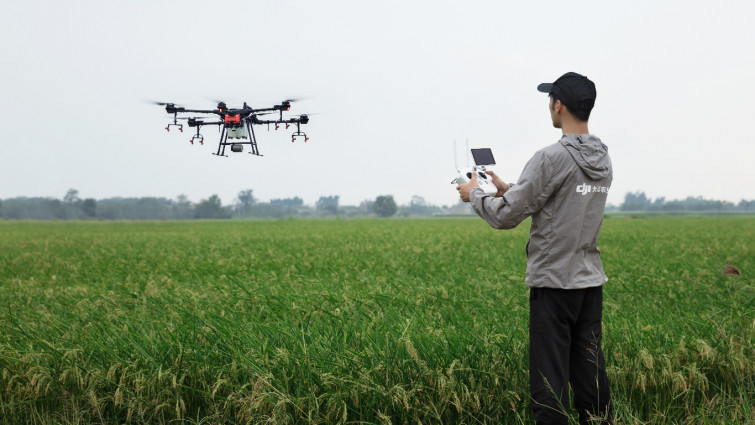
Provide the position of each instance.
(356, 321)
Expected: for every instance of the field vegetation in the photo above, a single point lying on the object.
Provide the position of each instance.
(398, 321)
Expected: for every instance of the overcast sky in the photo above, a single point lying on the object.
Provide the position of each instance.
(394, 83)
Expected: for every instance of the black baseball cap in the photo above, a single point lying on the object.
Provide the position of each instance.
(574, 90)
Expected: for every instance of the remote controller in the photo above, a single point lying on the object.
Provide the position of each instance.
(482, 157)
(483, 179)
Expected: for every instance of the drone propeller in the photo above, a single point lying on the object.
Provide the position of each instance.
(288, 102)
(218, 102)
(303, 116)
(155, 102)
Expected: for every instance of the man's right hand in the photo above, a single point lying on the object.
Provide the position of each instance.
(500, 184)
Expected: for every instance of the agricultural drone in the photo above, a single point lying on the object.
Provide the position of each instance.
(236, 126)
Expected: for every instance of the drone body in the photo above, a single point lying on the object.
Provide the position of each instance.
(236, 125)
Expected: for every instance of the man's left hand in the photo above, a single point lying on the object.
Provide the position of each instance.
(465, 188)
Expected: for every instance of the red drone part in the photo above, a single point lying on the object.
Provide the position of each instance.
(233, 119)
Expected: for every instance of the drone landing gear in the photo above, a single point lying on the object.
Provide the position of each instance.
(252, 140)
(223, 143)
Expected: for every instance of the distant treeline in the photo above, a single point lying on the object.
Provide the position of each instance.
(638, 201)
(72, 207)
(245, 205)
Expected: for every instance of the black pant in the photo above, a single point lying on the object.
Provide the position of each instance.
(565, 335)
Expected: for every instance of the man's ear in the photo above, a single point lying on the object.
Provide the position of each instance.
(554, 104)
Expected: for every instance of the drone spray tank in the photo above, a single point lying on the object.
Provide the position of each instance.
(235, 129)
(239, 132)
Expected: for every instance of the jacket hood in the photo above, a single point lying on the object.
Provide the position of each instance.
(590, 154)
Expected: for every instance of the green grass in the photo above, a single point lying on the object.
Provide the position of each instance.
(355, 321)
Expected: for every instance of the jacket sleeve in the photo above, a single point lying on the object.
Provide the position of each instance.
(526, 197)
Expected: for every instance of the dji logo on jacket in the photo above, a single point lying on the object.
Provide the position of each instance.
(585, 188)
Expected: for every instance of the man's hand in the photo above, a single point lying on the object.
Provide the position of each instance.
(465, 188)
(500, 184)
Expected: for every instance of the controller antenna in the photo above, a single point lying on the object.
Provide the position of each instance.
(456, 158)
(466, 153)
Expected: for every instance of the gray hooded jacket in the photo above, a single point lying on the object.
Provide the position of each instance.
(564, 188)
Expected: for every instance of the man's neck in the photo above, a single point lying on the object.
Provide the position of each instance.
(575, 128)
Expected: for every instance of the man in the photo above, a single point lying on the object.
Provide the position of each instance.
(563, 188)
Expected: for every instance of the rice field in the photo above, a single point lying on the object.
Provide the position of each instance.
(356, 321)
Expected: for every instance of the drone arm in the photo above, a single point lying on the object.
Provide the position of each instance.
(201, 123)
(247, 111)
(198, 111)
(288, 121)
